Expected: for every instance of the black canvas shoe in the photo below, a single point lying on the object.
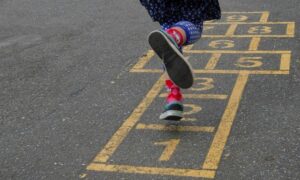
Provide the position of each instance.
(177, 67)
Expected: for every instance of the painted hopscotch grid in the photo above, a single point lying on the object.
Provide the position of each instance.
(208, 168)
(221, 45)
(221, 133)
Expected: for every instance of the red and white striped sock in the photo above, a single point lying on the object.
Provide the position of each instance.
(176, 35)
(174, 94)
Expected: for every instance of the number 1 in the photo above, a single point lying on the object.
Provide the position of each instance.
(169, 149)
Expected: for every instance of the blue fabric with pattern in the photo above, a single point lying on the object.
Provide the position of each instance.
(172, 11)
(193, 32)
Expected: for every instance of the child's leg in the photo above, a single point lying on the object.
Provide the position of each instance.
(167, 45)
(183, 33)
(173, 109)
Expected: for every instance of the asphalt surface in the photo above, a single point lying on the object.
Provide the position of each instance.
(66, 88)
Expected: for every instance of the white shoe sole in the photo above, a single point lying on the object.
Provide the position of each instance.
(171, 115)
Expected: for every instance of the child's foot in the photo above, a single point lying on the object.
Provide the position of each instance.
(173, 111)
(178, 69)
(174, 108)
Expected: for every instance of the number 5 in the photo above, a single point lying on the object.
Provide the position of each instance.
(249, 62)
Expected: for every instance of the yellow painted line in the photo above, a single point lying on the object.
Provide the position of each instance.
(152, 170)
(143, 60)
(200, 96)
(147, 57)
(249, 36)
(169, 149)
(189, 119)
(285, 62)
(231, 30)
(216, 149)
(291, 29)
(213, 61)
(266, 72)
(222, 71)
(162, 127)
(264, 17)
(147, 71)
(188, 47)
(254, 44)
(81, 176)
(236, 52)
(244, 12)
(129, 123)
(258, 23)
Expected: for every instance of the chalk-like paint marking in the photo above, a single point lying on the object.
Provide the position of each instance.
(129, 123)
(152, 170)
(162, 127)
(264, 17)
(216, 149)
(285, 62)
(169, 150)
(254, 44)
(221, 71)
(213, 61)
(201, 96)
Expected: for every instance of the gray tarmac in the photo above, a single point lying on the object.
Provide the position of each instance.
(66, 88)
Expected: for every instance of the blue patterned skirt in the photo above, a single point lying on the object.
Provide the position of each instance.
(172, 11)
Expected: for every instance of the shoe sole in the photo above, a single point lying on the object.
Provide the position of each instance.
(171, 115)
(177, 67)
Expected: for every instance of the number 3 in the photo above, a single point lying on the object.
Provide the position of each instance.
(206, 84)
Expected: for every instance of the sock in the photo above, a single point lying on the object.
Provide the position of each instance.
(193, 32)
(176, 35)
(175, 94)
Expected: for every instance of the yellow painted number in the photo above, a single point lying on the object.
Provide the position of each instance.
(194, 109)
(237, 18)
(169, 149)
(260, 30)
(222, 44)
(204, 84)
(249, 62)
